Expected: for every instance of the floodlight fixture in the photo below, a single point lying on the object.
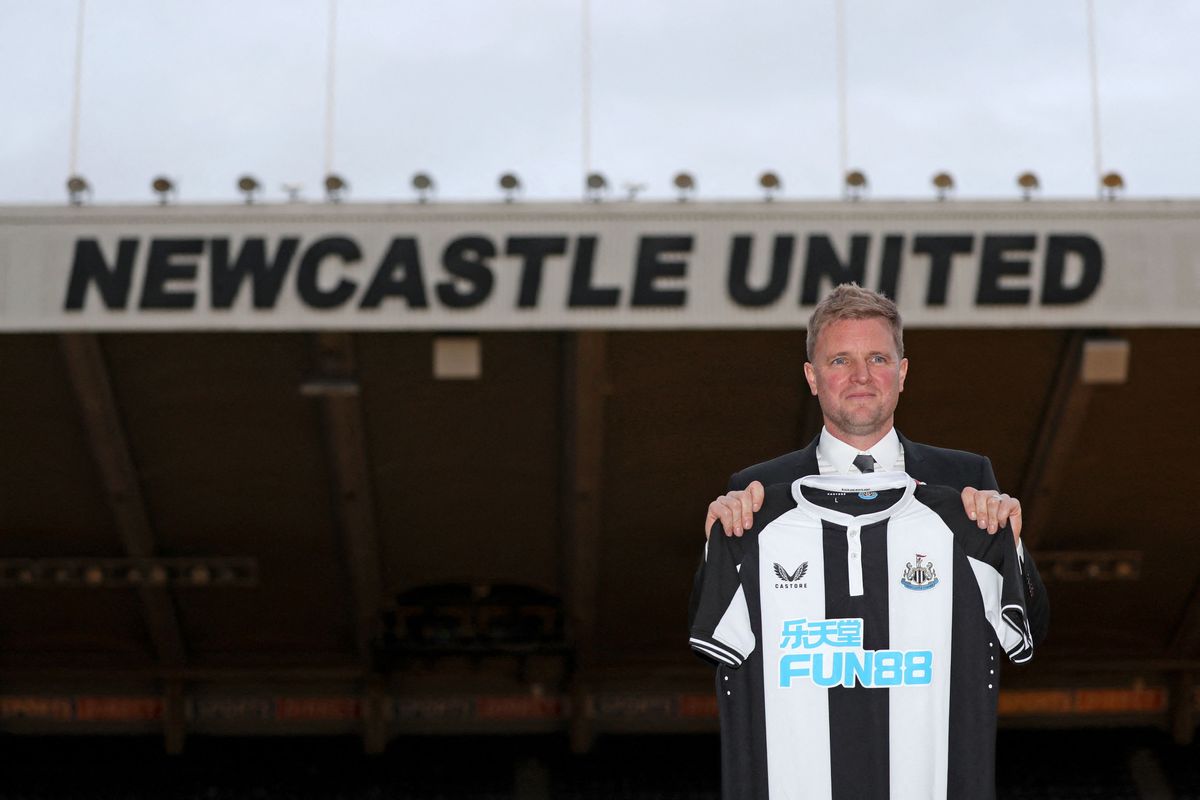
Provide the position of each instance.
(335, 187)
(685, 184)
(78, 190)
(943, 182)
(1111, 184)
(248, 185)
(856, 184)
(595, 185)
(200, 575)
(510, 184)
(632, 190)
(103, 573)
(164, 187)
(770, 183)
(1028, 183)
(422, 182)
(292, 190)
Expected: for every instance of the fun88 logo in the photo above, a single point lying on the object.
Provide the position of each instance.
(831, 654)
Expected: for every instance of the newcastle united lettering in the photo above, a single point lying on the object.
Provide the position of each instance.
(408, 275)
(1004, 265)
(327, 272)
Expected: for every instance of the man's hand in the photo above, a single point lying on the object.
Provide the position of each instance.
(993, 510)
(735, 510)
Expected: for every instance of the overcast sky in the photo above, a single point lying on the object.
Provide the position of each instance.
(206, 90)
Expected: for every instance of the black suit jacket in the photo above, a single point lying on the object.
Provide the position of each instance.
(936, 465)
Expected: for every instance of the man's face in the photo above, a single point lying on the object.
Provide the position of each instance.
(857, 375)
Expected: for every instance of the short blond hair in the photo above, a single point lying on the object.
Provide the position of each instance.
(851, 301)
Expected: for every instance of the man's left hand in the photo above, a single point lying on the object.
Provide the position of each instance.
(993, 510)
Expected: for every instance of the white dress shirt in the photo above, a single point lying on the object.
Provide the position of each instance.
(835, 457)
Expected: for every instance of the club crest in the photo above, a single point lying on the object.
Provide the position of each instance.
(920, 576)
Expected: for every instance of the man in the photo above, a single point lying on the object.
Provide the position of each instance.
(856, 368)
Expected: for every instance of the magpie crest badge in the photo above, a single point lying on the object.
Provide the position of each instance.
(920, 577)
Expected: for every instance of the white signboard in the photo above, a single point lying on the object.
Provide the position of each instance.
(595, 265)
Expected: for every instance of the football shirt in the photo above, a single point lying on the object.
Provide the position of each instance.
(858, 630)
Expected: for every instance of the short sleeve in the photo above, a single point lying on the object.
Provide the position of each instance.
(721, 630)
(998, 572)
(1015, 635)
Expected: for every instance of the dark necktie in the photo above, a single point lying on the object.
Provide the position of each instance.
(865, 463)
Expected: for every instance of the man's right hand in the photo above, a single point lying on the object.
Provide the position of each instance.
(735, 510)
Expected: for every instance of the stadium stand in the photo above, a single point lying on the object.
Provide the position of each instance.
(1033, 765)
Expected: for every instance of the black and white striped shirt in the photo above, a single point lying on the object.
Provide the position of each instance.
(858, 629)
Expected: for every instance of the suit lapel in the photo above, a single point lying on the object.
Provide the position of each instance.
(806, 459)
(912, 456)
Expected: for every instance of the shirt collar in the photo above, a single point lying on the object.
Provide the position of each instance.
(840, 455)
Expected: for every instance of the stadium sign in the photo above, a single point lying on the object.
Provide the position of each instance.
(614, 265)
